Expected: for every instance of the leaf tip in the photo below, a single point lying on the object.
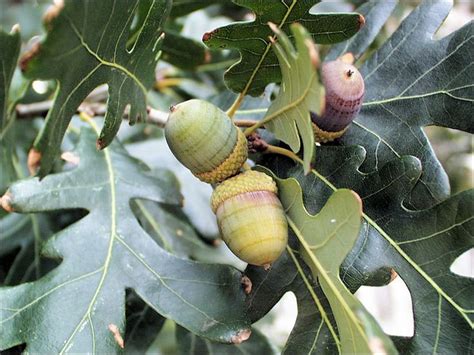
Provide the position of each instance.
(361, 21)
(6, 202)
(117, 336)
(241, 336)
(246, 284)
(273, 27)
(52, 12)
(208, 35)
(15, 29)
(313, 53)
(29, 56)
(33, 161)
(70, 157)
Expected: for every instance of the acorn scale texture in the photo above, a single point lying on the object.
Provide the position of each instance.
(344, 88)
(251, 218)
(204, 139)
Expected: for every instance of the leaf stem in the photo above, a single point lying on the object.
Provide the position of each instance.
(235, 106)
(272, 149)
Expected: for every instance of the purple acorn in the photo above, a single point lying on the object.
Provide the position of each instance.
(344, 87)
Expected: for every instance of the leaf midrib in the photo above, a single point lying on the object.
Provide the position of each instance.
(113, 235)
(105, 62)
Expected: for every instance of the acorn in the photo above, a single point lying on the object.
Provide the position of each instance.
(251, 218)
(204, 139)
(344, 87)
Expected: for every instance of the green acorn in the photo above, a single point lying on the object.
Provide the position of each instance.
(204, 139)
(251, 218)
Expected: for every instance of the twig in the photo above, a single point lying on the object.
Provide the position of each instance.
(244, 123)
(36, 109)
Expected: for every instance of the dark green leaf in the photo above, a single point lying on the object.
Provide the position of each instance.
(258, 65)
(102, 260)
(411, 82)
(86, 46)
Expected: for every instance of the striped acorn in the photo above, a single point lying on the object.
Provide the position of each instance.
(204, 139)
(344, 88)
(251, 218)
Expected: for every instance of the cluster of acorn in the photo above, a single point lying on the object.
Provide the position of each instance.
(249, 214)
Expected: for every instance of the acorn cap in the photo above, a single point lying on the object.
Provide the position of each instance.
(248, 181)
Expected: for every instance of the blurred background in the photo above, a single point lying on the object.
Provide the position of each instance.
(391, 304)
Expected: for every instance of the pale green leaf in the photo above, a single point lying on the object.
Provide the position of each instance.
(326, 239)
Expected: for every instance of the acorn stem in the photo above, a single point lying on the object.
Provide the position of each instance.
(235, 106)
(246, 166)
(282, 151)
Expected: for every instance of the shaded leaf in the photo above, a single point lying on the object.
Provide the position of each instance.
(143, 325)
(184, 52)
(83, 50)
(101, 260)
(25, 234)
(9, 50)
(196, 193)
(258, 64)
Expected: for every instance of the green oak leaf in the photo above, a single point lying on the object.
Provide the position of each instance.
(183, 52)
(105, 253)
(414, 81)
(82, 50)
(258, 64)
(288, 115)
(325, 240)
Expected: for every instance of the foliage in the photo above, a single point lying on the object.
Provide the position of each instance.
(99, 247)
